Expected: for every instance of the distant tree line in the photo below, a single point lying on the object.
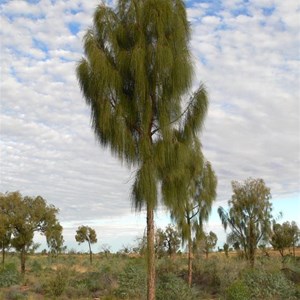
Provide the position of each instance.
(249, 218)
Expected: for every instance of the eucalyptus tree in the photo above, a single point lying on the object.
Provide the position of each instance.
(167, 241)
(249, 215)
(5, 223)
(199, 183)
(86, 234)
(135, 74)
(27, 215)
(284, 236)
(55, 239)
(226, 249)
(209, 242)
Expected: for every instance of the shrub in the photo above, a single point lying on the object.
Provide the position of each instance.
(171, 287)
(36, 267)
(9, 275)
(56, 284)
(132, 282)
(206, 273)
(237, 291)
(169, 265)
(266, 285)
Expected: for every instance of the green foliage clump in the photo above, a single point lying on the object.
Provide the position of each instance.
(132, 282)
(169, 265)
(9, 275)
(171, 287)
(211, 271)
(238, 290)
(269, 285)
(57, 283)
(36, 267)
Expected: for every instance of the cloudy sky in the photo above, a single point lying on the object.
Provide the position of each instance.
(247, 54)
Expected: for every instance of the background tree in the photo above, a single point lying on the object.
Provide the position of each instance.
(159, 243)
(86, 234)
(167, 241)
(200, 183)
(284, 236)
(296, 236)
(136, 69)
(226, 249)
(141, 244)
(106, 248)
(209, 242)
(6, 201)
(55, 239)
(249, 215)
(172, 240)
(26, 216)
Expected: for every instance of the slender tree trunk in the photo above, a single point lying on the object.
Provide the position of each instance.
(150, 254)
(251, 245)
(23, 260)
(3, 253)
(294, 251)
(91, 255)
(190, 264)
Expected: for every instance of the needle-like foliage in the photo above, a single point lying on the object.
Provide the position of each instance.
(197, 191)
(135, 76)
(86, 234)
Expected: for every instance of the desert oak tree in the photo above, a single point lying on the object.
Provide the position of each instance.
(135, 74)
(86, 234)
(193, 210)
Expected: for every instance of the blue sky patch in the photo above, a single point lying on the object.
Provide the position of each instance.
(242, 10)
(40, 45)
(74, 27)
(268, 11)
(33, 1)
(213, 9)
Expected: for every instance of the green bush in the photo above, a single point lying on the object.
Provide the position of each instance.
(266, 285)
(57, 283)
(238, 291)
(132, 282)
(206, 273)
(169, 265)
(171, 287)
(9, 275)
(36, 267)
(91, 282)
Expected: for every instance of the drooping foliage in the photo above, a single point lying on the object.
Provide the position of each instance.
(136, 76)
(135, 73)
(249, 215)
(197, 191)
(200, 184)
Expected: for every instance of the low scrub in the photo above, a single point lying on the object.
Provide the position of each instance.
(9, 275)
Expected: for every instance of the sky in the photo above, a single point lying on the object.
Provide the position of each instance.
(245, 52)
